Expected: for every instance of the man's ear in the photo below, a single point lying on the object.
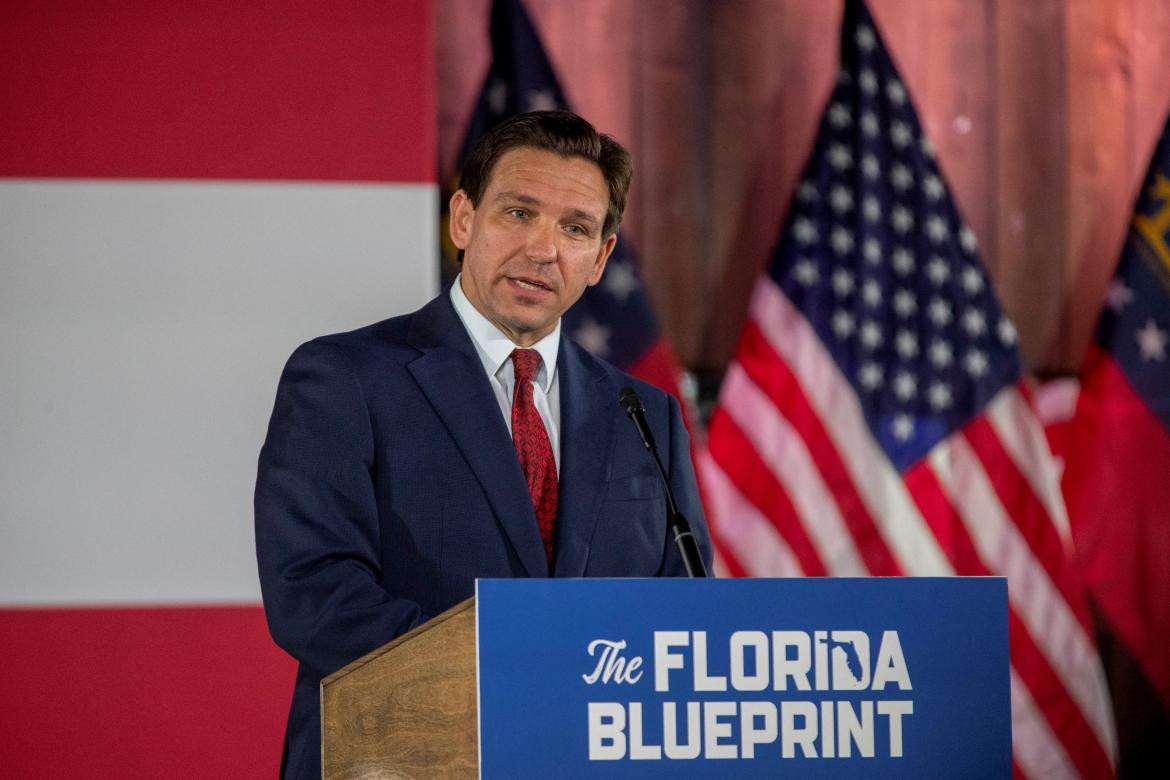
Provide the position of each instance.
(602, 256)
(462, 215)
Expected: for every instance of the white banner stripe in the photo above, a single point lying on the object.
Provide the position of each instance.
(1037, 750)
(143, 327)
(877, 481)
(1022, 436)
(752, 538)
(788, 458)
(1039, 604)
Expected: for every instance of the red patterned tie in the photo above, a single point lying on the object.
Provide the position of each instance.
(533, 448)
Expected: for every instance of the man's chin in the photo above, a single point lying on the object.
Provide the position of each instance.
(528, 330)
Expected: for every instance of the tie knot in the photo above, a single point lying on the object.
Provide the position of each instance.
(525, 363)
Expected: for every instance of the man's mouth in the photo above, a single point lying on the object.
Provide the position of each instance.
(530, 284)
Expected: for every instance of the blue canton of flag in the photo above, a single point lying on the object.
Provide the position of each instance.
(880, 262)
(613, 319)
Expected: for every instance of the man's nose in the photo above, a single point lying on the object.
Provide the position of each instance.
(542, 244)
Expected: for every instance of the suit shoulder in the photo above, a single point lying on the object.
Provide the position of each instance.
(653, 397)
(375, 340)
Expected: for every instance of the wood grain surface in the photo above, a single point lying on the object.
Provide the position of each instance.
(408, 709)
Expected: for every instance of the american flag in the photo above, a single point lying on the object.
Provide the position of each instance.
(874, 420)
(614, 319)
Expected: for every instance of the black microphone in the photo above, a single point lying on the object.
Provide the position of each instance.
(687, 547)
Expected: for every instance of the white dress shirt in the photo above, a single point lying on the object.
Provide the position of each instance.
(495, 352)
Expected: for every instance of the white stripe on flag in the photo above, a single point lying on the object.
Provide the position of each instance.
(877, 481)
(1035, 747)
(751, 537)
(1039, 604)
(1022, 436)
(787, 457)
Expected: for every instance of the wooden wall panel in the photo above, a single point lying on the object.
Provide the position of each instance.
(775, 64)
(1044, 114)
(1101, 154)
(1030, 165)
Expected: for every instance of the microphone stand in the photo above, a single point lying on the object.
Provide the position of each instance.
(678, 525)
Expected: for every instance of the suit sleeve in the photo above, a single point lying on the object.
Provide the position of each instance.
(317, 529)
(686, 495)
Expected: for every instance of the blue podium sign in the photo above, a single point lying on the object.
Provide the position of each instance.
(827, 678)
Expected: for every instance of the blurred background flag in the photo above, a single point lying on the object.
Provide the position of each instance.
(1117, 478)
(874, 420)
(614, 319)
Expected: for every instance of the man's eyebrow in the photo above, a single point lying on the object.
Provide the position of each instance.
(583, 216)
(517, 197)
(577, 215)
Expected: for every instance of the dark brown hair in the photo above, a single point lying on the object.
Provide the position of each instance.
(559, 132)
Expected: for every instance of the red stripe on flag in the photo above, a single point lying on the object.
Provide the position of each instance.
(222, 90)
(730, 561)
(1029, 515)
(944, 522)
(752, 477)
(773, 376)
(129, 693)
(1062, 713)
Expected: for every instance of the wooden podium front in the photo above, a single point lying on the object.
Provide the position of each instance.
(408, 709)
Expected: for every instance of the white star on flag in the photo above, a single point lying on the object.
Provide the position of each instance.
(841, 199)
(940, 353)
(972, 280)
(900, 134)
(840, 157)
(895, 91)
(541, 100)
(901, 177)
(842, 241)
(619, 281)
(1118, 295)
(806, 272)
(594, 337)
(903, 427)
(902, 219)
(1152, 341)
(839, 115)
(933, 187)
(842, 282)
(804, 230)
(940, 396)
(1007, 332)
(842, 323)
(497, 97)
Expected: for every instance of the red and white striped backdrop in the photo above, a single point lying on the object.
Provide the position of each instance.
(187, 191)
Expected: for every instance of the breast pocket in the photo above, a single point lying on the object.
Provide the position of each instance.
(635, 488)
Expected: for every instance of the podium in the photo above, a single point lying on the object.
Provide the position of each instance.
(875, 677)
(408, 709)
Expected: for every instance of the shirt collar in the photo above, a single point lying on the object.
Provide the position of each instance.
(494, 348)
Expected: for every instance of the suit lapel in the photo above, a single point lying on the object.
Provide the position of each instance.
(451, 376)
(586, 451)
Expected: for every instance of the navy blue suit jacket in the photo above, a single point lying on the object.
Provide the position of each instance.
(388, 483)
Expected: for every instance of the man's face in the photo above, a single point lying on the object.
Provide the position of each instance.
(534, 243)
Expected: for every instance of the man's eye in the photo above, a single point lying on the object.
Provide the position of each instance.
(575, 230)
(517, 213)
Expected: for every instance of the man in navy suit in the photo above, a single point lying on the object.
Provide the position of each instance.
(404, 460)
